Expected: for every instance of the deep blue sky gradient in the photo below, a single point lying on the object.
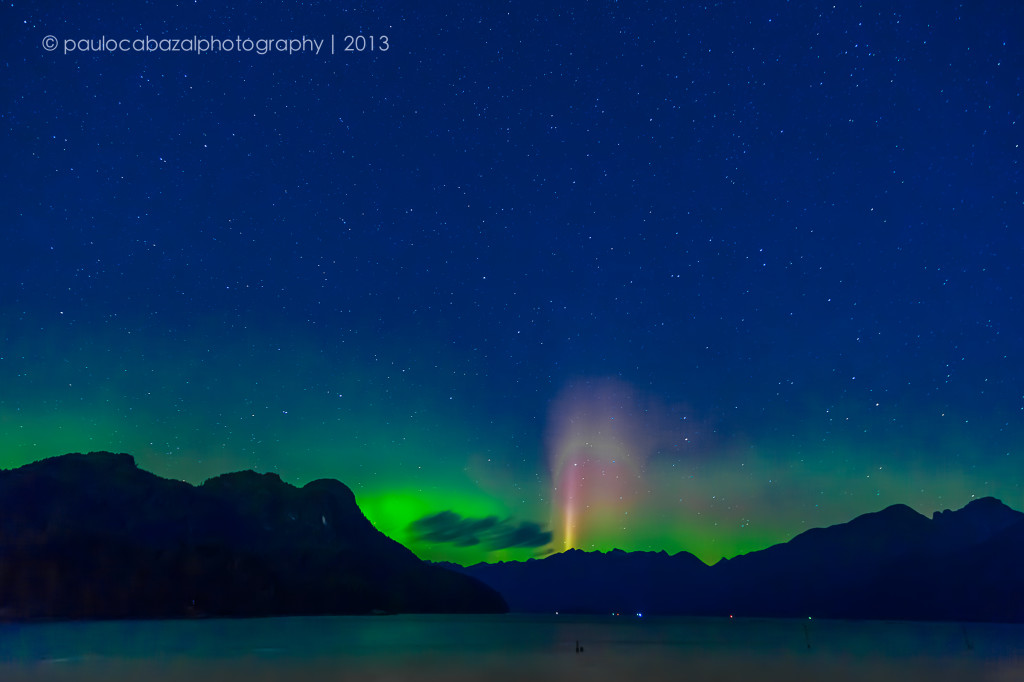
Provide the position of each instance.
(798, 226)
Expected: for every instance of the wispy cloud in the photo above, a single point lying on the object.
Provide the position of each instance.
(490, 532)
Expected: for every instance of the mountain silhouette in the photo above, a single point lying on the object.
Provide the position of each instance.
(595, 582)
(93, 536)
(965, 565)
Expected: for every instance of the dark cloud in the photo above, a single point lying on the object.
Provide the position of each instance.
(489, 532)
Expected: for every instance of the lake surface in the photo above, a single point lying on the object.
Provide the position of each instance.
(510, 647)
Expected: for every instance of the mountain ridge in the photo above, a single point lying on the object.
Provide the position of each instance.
(94, 536)
(894, 563)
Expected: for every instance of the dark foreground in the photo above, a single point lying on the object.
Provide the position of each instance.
(510, 647)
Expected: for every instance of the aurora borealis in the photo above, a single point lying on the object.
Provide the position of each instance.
(636, 275)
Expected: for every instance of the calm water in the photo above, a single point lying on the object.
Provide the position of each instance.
(513, 647)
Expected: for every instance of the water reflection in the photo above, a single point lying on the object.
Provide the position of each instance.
(533, 648)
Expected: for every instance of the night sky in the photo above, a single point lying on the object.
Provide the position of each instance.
(642, 275)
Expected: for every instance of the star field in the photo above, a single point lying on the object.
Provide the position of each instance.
(632, 275)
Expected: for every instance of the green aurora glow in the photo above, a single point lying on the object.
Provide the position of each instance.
(406, 457)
